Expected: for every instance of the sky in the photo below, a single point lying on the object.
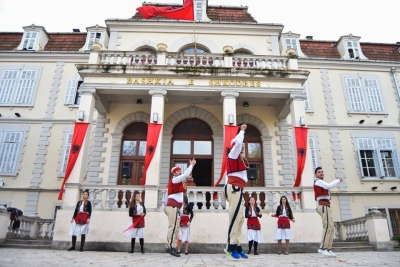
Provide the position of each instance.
(373, 21)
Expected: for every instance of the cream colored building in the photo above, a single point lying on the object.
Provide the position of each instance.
(134, 71)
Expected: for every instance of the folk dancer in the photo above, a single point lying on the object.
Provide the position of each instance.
(254, 234)
(176, 188)
(323, 196)
(136, 224)
(186, 215)
(285, 215)
(233, 193)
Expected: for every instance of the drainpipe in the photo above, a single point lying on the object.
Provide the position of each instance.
(396, 84)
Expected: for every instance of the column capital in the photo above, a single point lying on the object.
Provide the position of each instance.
(229, 94)
(158, 92)
(297, 97)
(87, 90)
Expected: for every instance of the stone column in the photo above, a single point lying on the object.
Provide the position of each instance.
(153, 172)
(378, 231)
(4, 223)
(72, 191)
(297, 112)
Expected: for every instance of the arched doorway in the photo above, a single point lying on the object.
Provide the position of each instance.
(133, 151)
(192, 138)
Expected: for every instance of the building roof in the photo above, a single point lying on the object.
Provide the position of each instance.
(214, 13)
(328, 49)
(65, 41)
(10, 40)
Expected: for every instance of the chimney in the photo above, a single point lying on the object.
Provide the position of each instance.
(76, 30)
(309, 37)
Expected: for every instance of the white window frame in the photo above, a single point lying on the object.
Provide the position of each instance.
(19, 85)
(354, 47)
(363, 94)
(92, 37)
(314, 149)
(29, 42)
(291, 43)
(10, 148)
(308, 101)
(72, 94)
(198, 10)
(65, 149)
(377, 145)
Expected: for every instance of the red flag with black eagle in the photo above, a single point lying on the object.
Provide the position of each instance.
(301, 134)
(153, 132)
(181, 13)
(76, 144)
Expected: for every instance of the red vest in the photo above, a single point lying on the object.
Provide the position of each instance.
(236, 165)
(319, 191)
(176, 188)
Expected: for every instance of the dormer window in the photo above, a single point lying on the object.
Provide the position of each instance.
(291, 43)
(94, 37)
(354, 51)
(30, 40)
(198, 10)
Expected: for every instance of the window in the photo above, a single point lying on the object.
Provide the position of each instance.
(352, 48)
(30, 40)
(240, 52)
(313, 151)
(377, 158)
(67, 148)
(199, 49)
(307, 100)
(94, 37)
(198, 10)
(363, 94)
(73, 97)
(291, 43)
(17, 87)
(10, 143)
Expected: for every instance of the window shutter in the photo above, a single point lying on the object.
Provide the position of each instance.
(356, 50)
(363, 144)
(373, 95)
(91, 39)
(29, 41)
(291, 43)
(354, 92)
(67, 148)
(313, 151)
(396, 162)
(9, 152)
(71, 92)
(306, 101)
(7, 85)
(382, 144)
(199, 10)
(26, 87)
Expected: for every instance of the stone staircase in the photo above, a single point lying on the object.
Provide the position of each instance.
(27, 243)
(344, 246)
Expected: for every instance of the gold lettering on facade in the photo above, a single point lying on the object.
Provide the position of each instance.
(224, 83)
(157, 81)
(191, 82)
(154, 81)
(129, 80)
(234, 83)
(170, 82)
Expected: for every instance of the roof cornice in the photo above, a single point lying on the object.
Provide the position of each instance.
(43, 56)
(332, 63)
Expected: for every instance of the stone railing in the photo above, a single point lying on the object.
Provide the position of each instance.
(351, 230)
(32, 228)
(191, 60)
(105, 197)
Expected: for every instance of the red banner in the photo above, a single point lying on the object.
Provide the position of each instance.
(230, 133)
(76, 144)
(183, 13)
(301, 134)
(153, 132)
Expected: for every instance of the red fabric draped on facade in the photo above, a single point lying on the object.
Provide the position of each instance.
(230, 133)
(153, 132)
(301, 134)
(76, 144)
(183, 13)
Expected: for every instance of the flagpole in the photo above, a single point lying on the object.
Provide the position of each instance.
(195, 42)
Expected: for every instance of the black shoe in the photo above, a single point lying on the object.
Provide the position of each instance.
(174, 253)
(249, 252)
(186, 253)
(142, 250)
(71, 248)
(81, 250)
(130, 251)
(256, 253)
(167, 250)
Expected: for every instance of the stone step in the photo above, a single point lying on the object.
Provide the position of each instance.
(28, 241)
(350, 243)
(25, 246)
(357, 248)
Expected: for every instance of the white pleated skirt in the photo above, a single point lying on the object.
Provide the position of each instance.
(184, 233)
(79, 229)
(255, 235)
(133, 232)
(283, 234)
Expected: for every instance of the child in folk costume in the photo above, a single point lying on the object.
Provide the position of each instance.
(137, 211)
(254, 234)
(285, 215)
(185, 222)
(81, 220)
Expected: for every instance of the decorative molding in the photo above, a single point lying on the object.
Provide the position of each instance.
(44, 56)
(340, 64)
(116, 143)
(229, 94)
(54, 90)
(328, 96)
(31, 203)
(286, 144)
(201, 40)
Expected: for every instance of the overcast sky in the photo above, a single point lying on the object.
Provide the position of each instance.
(373, 21)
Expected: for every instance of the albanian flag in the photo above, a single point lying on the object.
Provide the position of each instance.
(182, 13)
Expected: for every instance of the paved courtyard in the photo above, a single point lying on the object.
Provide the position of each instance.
(44, 258)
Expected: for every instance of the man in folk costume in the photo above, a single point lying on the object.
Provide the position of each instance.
(176, 189)
(233, 192)
(323, 196)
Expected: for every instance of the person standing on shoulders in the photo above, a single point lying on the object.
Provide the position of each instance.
(254, 234)
(81, 220)
(176, 189)
(323, 197)
(285, 215)
(233, 193)
(137, 211)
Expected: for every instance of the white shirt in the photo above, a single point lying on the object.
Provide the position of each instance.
(235, 153)
(177, 179)
(324, 185)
